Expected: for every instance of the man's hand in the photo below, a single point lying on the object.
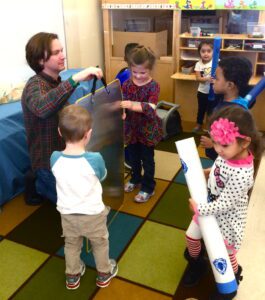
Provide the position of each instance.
(87, 74)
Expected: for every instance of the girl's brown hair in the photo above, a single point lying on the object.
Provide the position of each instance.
(243, 119)
(202, 43)
(142, 55)
(74, 122)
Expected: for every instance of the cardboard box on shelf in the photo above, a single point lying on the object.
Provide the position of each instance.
(157, 41)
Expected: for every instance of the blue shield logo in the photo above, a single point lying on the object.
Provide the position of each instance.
(220, 265)
(184, 166)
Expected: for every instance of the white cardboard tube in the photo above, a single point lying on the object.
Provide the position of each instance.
(213, 239)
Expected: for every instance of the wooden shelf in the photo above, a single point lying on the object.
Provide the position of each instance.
(232, 50)
(181, 76)
(222, 50)
(254, 51)
(180, 87)
(255, 79)
(188, 48)
(222, 36)
(185, 53)
(189, 36)
(189, 59)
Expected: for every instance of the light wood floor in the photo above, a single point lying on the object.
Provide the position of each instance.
(252, 252)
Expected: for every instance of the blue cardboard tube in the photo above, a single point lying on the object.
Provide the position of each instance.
(257, 89)
(216, 52)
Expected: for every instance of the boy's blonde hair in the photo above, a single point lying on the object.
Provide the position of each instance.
(74, 122)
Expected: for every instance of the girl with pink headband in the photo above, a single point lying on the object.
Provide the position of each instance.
(237, 141)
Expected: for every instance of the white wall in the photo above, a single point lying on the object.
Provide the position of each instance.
(19, 20)
(84, 33)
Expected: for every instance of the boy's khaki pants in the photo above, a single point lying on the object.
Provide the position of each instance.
(93, 227)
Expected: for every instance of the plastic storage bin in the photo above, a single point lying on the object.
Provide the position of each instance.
(255, 30)
(195, 31)
(187, 69)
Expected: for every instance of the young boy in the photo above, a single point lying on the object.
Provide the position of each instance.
(83, 214)
(232, 77)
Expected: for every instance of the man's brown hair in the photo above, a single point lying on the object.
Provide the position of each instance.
(39, 47)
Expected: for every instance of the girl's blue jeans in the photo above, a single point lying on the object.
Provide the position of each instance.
(142, 156)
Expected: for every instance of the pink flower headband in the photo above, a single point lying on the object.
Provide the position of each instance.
(224, 132)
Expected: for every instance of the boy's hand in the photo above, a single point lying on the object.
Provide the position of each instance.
(193, 205)
(206, 142)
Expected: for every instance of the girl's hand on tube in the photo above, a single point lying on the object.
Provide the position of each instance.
(193, 205)
(127, 104)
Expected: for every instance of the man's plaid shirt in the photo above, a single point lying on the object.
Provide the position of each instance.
(42, 98)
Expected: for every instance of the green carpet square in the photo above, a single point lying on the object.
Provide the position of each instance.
(169, 144)
(206, 163)
(173, 207)
(42, 230)
(17, 263)
(121, 228)
(49, 283)
(155, 257)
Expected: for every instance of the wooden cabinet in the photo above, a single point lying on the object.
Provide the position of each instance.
(120, 15)
(260, 65)
(232, 45)
(126, 23)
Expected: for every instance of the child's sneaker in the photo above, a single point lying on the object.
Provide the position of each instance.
(142, 197)
(103, 279)
(73, 281)
(197, 129)
(129, 187)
